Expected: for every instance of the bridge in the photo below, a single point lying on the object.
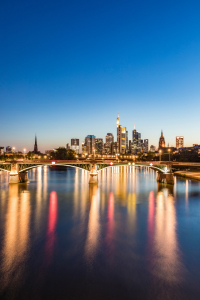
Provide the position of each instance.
(18, 170)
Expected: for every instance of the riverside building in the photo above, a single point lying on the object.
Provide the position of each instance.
(121, 138)
(179, 142)
(75, 145)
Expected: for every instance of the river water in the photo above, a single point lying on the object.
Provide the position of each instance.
(127, 238)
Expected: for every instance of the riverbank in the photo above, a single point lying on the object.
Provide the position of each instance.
(188, 174)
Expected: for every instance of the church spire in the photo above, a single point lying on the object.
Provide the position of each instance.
(35, 146)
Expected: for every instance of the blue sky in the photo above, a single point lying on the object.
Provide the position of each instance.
(68, 67)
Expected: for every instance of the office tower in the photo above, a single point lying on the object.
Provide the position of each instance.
(179, 142)
(114, 148)
(121, 138)
(109, 139)
(142, 145)
(161, 141)
(90, 144)
(129, 146)
(75, 145)
(98, 146)
(136, 142)
(146, 146)
(126, 141)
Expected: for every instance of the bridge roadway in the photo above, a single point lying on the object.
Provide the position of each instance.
(18, 170)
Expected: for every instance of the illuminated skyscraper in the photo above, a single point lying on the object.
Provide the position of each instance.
(98, 146)
(136, 142)
(90, 144)
(127, 141)
(179, 142)
(121, 138)
(146, 146)
(161, 141)
(75, 145)
(109, 139)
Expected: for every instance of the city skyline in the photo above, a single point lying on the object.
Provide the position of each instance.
(64, 77)
(104, 141)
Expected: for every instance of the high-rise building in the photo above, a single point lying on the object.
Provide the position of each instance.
(121, 138)
(98, 146)
(129, 146)
(114, 148)
(126, 141)
(107, 145)
(146, 146)
(67, 146)
(35, 146)
(136, 142)
(75, 145)
(161, 141)
(90, 144)
(179, 142)
(109, 139)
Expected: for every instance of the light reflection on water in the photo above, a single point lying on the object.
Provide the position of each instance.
(127, 233)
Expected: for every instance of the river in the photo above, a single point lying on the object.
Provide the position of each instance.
(127, 238)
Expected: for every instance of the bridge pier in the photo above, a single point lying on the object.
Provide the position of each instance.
(16, 176)
(93, 179)
(167, 178)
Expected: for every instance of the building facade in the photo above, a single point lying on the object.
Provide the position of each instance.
(127, 145)
(136, 142)
(121, 138)
(109, 139)
(146, 146)
(161, 141)
(179, 142)
(8, 149)
(152, 148)
(67, 146)
(75, 145)
(1, 151)
(89, 146)
(98, 146)
(114, 148)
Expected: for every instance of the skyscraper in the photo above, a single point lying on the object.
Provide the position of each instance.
(121, 138)
(90, 144)
(161, 141)
(127, 141)
(109, 139)
(75, 145)
(179, 142)
(99, 146)
(136, 142)
(146, 146)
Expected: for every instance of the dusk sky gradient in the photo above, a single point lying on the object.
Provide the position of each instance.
(68, 67)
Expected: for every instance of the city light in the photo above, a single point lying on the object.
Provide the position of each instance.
(53, 162)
